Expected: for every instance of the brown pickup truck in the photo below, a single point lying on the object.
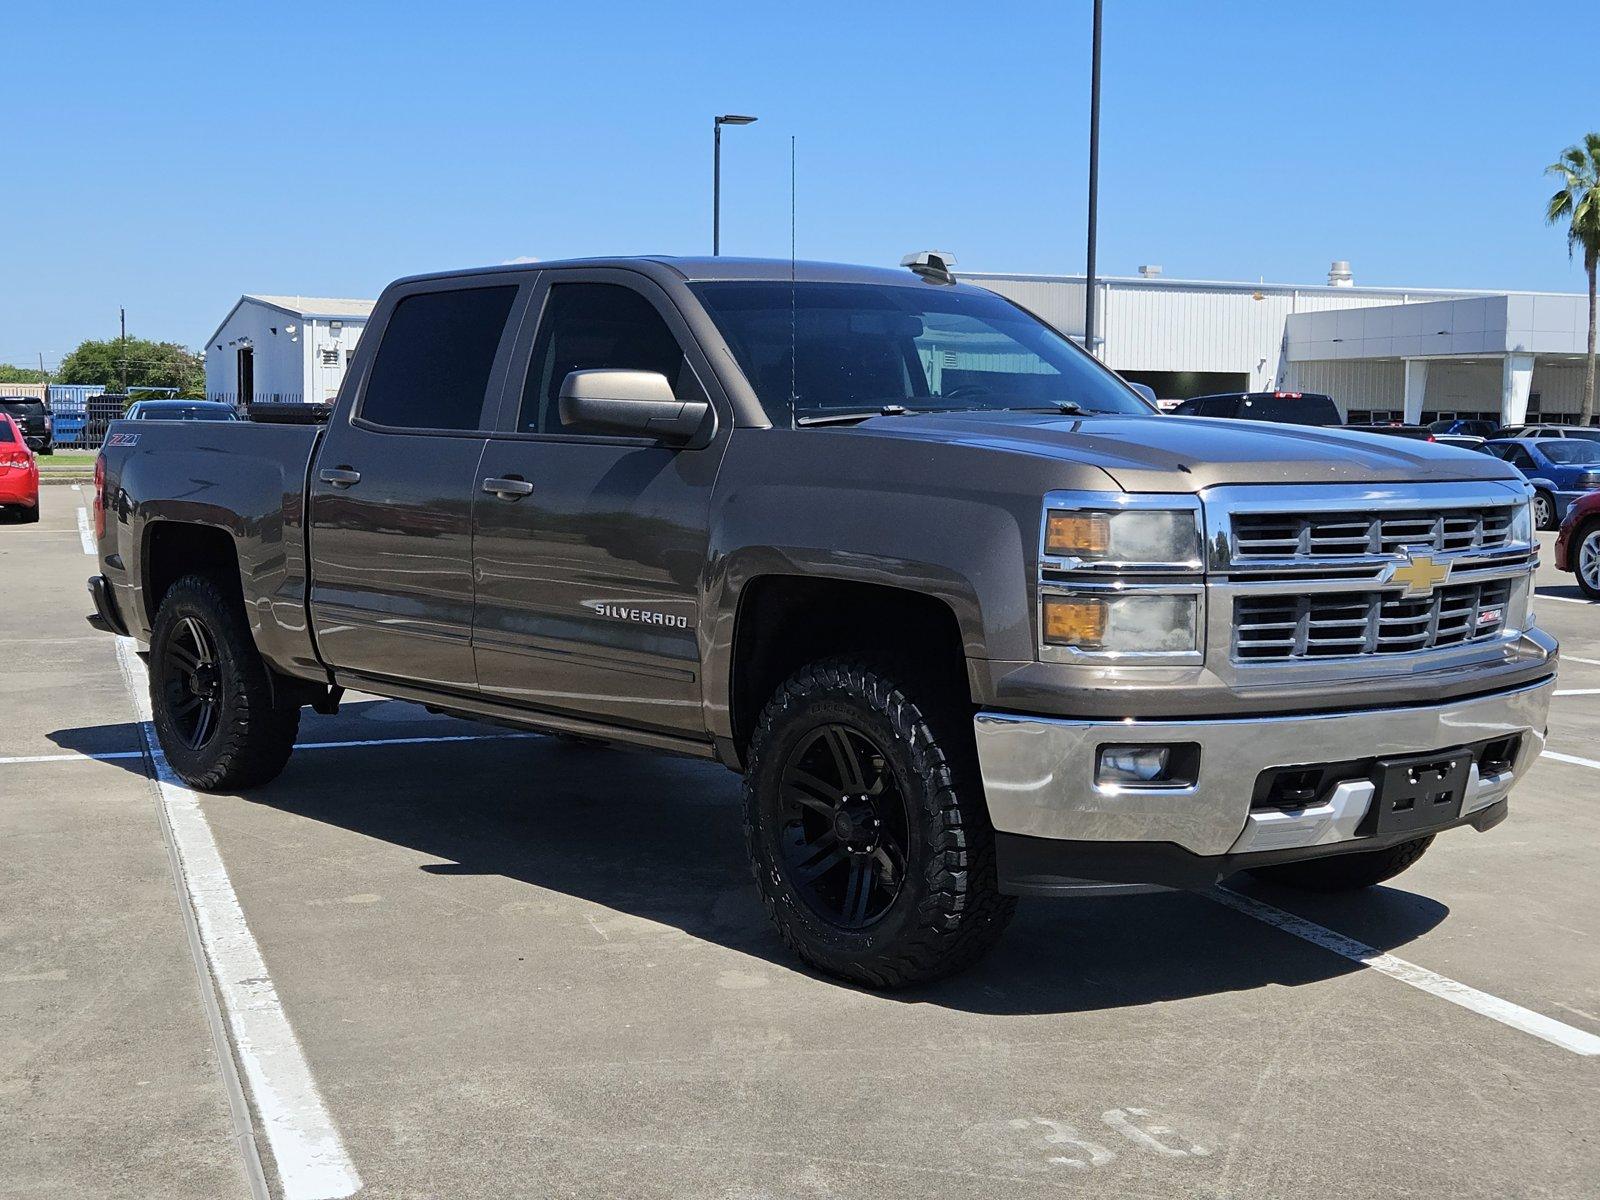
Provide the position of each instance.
(973, 619)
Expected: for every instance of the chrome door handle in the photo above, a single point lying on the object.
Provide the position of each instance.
(510, 488)
(341, 477)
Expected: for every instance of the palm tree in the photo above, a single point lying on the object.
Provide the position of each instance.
(1578, 204)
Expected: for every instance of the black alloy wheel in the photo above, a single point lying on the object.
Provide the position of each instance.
(192, 683)
(845, 826)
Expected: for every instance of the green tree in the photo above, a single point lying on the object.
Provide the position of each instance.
(11, 374)
(1578, 205)
(142, 362)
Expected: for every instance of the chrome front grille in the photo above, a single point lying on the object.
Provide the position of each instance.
(1345, 624)
(1260, 536)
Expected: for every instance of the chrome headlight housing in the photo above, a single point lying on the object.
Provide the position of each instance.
(1121, 577)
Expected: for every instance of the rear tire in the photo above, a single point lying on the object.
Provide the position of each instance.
(1544, 511)
(210, 693)
(1586, 559)
(867, 828)
(1346, 872)
(30, 516)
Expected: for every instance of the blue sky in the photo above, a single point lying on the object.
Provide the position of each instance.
(169, 156)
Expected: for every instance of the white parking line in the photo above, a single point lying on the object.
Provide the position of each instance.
(1588, 662)
(114, 755)
(85, 534)
(1562, 599)
(1578, 692)
(1570, 758)
(310, 1156)
(1547, 1028)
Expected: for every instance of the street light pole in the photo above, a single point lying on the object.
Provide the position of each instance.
(1094, 182)
(716, 173)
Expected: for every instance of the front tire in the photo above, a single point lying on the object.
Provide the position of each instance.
(867, 828)
(1586, 560)
(1544, 511)
(210, 693)
(1346, 872)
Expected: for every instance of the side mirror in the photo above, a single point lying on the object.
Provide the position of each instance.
(1145, 390)
(633, 403)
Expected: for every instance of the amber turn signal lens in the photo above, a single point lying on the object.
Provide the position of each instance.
(1074, 621)
(1077, 535)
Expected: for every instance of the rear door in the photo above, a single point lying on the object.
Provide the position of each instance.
(392, 488)
(591, 563)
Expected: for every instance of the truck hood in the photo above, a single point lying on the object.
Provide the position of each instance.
(1189, 454)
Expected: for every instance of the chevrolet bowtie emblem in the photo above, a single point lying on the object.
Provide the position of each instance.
(1420, 574)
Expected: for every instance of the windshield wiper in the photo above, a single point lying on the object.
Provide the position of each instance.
(848, 418)
(1070, 407)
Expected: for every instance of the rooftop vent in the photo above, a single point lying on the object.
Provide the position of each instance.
(1339, 274)
(1151, 270)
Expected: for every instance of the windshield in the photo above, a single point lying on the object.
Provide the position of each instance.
(186, 412)
(1570, 452)
(5, 432)
(820, 350)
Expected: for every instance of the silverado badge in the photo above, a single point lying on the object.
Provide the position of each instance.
(1420, 574)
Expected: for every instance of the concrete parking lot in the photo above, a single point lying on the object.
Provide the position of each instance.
(499, 965)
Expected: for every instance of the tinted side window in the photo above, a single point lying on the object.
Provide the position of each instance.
(1520, 458)
(587, 326)
(433, 365)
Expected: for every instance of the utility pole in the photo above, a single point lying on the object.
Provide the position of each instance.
(123, 312)
(1094, 182)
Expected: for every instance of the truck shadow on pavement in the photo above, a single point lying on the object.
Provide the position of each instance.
(659, 838)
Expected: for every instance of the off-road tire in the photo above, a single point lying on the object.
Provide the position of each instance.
(1346, 872)
(253, 737)
(1544, 510)
(949, 910)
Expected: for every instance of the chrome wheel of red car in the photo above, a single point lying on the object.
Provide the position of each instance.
(1588, 564)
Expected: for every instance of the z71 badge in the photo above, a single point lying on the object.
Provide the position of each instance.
(123, 439)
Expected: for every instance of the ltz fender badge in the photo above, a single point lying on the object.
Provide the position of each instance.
(637, 616)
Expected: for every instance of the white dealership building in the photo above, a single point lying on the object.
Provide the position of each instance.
(285, 349)
(1381, 353)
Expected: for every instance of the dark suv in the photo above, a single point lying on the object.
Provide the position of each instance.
(1289, 408)
(32, 416)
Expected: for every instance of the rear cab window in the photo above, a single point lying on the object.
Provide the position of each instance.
(433, 366)
(1291, 410)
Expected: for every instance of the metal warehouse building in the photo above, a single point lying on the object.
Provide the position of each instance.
(1381, 353)
(283, 348)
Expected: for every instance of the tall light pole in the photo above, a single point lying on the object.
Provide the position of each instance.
(716, 173)
(1094, 181)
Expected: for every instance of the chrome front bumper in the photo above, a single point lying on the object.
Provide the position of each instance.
(1039, 772)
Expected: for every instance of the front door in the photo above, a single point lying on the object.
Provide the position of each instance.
(392, 489)
(590, 550)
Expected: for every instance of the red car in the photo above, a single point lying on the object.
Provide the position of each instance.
(1578, 543)
(19, 473)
